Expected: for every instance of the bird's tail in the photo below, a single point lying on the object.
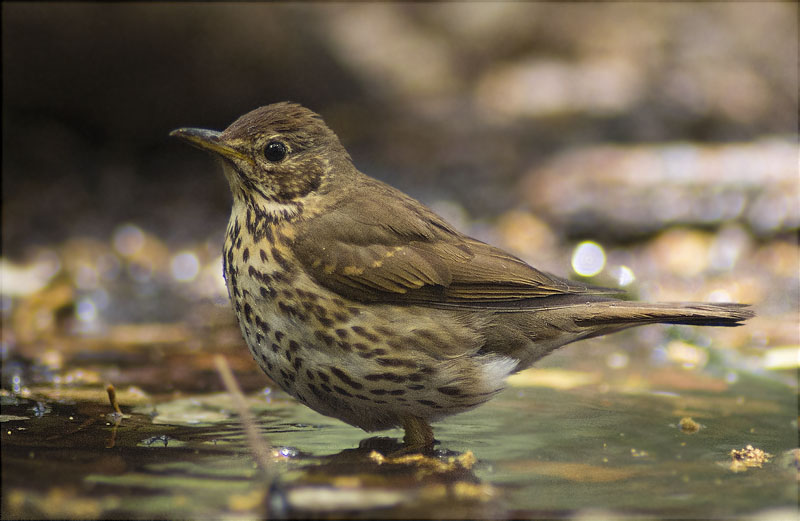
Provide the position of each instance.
(622, 314)
(563, 322)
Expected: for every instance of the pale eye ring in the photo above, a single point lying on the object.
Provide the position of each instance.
(275, 151)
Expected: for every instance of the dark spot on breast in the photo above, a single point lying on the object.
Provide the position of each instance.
(415, 387)
(293, 346)
(378, 392)
(279, 335)
(326, 388)
(396, 344)
(262, 325)
(361, 397)
(259, 338)
(263, 255)
(384, 330)
(324, 337)
(298, 363)
(450, 391)
(428, 403)
(397, 392)
(325, 321)
(323, 376)
(315, 391)
(339, 316)
(287, 377)
(280, 259)
(360, 331)
(341, 391)
(291, 310)
(261, 277)
(246, 254)
(341, 333)
(248, 313)
(396, 362)
(391, 377)
(288, 355)
(345, 346)
(275, 348)
(238, 243)
(345, 378)
(366, 355)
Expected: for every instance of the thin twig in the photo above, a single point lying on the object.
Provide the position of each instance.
(117, 415)
(112, 397)
(260, 447)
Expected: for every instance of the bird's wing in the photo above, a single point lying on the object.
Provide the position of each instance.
(390, 248)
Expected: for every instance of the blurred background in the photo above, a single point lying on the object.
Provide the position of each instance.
(482, 105)
(661, 158)
(650, 146)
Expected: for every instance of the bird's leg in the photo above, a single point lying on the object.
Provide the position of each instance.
(419, 435)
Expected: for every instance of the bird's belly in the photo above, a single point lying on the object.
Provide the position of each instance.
(368, 365)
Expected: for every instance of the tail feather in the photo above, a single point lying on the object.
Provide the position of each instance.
(626, 314)
(565, 321)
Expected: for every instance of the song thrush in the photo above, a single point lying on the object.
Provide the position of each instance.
(366, 306)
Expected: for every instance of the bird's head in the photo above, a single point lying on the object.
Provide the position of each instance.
(275, 155)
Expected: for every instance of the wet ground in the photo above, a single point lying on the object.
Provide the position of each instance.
(534, 452)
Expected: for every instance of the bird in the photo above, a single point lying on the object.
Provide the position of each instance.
(367, 306)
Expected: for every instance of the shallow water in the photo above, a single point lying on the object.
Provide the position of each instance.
(539, 452)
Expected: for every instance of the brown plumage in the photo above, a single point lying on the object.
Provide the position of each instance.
(367, 306)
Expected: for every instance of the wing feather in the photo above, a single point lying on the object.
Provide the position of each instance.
(394, 249)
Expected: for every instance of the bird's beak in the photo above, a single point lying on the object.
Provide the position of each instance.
(209, 140)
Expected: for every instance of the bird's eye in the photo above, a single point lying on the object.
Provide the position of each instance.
(275, 151)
